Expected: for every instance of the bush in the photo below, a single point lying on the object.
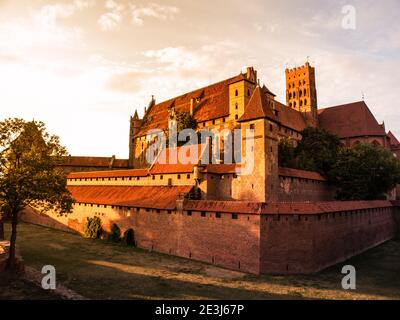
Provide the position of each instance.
(115, 233)
(93, 229)
(129, 238)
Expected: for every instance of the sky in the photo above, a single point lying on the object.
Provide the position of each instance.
(84, 66)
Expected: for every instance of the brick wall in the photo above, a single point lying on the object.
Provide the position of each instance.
(301, 243)
(227, 242)
(304, 240)
(294, 189)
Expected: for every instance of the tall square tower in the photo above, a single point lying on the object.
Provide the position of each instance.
(301, 92)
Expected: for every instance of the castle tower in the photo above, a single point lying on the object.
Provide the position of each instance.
(262, 182)
(240, 93)
(301, 92)
(135, 124)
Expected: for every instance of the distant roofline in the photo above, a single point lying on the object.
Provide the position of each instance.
(342, 105)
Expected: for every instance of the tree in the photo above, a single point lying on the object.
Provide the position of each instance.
(286, 153)
(185, 121)
(317, 150)
(28, 176)
(365, 172)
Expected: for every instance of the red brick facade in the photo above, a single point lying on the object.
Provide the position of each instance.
(250, 237)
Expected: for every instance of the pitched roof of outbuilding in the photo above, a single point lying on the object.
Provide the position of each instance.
(129, 196)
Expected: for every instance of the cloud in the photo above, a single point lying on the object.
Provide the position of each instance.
(110, 21)
(49, 14)
(113, 18)
(152, 10)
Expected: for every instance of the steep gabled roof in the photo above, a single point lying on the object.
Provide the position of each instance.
(350, 120)
(258, 107)
(213, 103)
(393, 139)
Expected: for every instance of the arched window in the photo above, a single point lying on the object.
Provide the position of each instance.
(294, 104)
(305, 92)
(294, 94)
(290, 104)
(305, 101)
(236, 106)
(236, 93)
(300, 93)
(301, 103)
(290, 95)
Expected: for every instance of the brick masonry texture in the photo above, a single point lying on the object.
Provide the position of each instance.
(247, 239)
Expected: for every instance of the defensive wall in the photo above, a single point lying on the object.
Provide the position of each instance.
(276, 238)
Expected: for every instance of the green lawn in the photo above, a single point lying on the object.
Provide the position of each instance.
(100, 270)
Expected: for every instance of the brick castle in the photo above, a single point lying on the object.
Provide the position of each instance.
(273, 220)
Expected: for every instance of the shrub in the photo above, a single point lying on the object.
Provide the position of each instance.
(93, 229)
(129, 238)
(115, 233)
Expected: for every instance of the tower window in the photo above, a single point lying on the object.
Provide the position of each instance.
(236, 106)
(236, 117)
(248, 92)
(236, 93)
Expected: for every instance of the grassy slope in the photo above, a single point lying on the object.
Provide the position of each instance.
(100, 270)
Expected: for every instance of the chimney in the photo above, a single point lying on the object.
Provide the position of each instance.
(111, 165)
(191, 106)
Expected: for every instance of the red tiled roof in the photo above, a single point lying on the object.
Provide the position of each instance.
(213, 104)
(290, 118)
(296, 173)
(258, 107)
(321, 207)
(222, 206)
(222, 168)
(350, 120)
(76, 161)
(283, 207)
(393, 139)
(109, 174)
(178, 160)
(143, 197)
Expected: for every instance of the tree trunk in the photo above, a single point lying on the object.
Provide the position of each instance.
(1, 228)
(11, 262)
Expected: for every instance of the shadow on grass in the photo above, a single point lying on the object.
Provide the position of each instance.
(101, 270)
